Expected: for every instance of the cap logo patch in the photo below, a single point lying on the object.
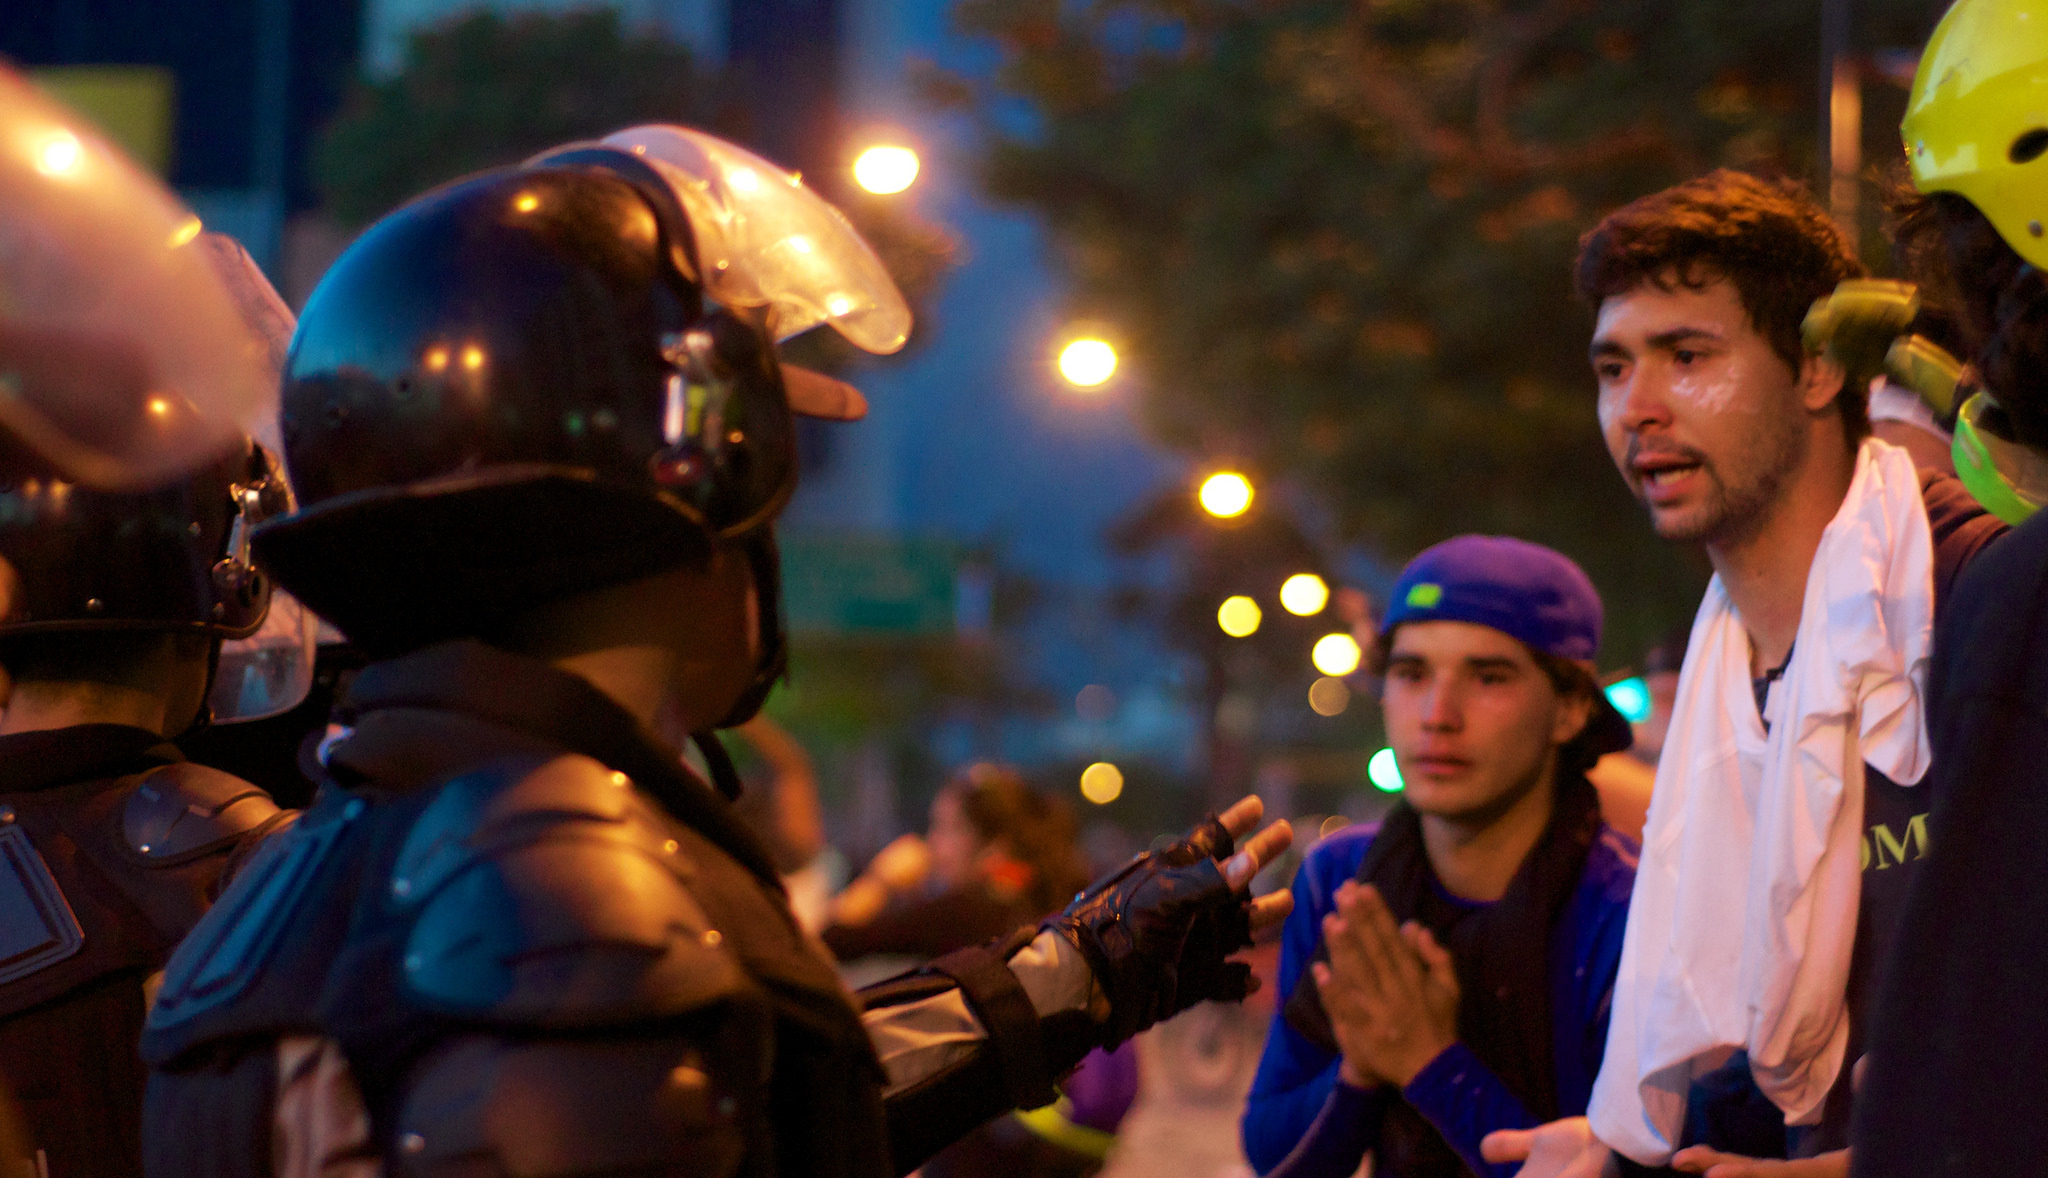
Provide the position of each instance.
(1425, 595)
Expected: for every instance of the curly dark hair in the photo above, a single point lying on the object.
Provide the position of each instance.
(1999, 303)
(1767, 237)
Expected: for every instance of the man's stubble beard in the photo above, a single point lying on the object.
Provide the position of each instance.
(1739, 510)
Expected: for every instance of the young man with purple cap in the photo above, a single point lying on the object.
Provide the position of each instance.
(1448, 972)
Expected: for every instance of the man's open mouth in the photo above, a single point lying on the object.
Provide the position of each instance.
(1661, 471)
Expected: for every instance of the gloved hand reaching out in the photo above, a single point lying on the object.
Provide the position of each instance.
(1158, 933)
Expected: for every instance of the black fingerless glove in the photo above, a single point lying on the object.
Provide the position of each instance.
(1156, 933)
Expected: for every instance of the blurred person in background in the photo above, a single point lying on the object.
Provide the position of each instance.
(1788, 793)
(1447, 973)
(1661, 664)
(997, 854)
(780, 805)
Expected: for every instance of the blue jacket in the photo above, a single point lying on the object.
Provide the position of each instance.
(1301, 1122)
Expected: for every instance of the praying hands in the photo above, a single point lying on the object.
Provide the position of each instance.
(1389, 990)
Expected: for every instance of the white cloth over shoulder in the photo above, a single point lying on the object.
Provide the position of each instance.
(1744, 912)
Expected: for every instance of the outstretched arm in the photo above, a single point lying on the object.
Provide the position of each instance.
(986, 1030)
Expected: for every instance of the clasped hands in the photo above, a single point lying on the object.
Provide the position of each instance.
(1389, 989)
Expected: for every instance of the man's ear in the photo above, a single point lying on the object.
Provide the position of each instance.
(1821, 380)
(1574, 712)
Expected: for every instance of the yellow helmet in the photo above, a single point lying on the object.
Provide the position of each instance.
(1977, 122)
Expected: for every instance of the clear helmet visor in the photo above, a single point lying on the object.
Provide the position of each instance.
(764, 240)
(124, 361)
(270, 671)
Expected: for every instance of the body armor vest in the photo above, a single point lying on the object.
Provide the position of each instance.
(111, 847)
(539, 946)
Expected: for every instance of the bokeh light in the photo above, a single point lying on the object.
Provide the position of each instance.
(1384, 772)
(1328, 696)
(1102, 783)
(1630, 697)
(59, 154)
(1336, 654)
(1304, 594)
(1087, 363)
(885, 169)
(1095, 703)
(1226, 494)
(1239, 616)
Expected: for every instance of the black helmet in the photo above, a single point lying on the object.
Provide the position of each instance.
(173, 559)
(519, 387)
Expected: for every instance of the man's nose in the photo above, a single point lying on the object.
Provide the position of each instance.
(1442, 709)
(1641, 399)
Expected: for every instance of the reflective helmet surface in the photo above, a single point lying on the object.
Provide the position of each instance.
(166, 560)
(1977, 121)
(512, 386)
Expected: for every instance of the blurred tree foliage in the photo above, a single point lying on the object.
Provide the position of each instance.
(485, 90)
(1334, 236)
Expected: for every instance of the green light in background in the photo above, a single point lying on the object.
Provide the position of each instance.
(1385, 774)
(1630, 697)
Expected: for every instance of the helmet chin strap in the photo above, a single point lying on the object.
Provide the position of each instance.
(203, 719)
(769, 668)
(773, 662)
(719, 762)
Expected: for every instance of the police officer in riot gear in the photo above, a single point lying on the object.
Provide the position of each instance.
(130, 613)
(540, 434)
(113, 610)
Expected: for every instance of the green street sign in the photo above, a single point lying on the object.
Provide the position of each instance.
(869, 584)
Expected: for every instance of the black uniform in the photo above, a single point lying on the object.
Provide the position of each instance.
(111, 847)
(542, 947)
(1959, 1044)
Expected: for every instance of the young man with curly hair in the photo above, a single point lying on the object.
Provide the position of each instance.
(1787, 818)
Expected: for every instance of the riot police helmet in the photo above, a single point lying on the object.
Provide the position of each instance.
(540, 380)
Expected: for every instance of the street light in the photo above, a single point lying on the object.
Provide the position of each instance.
(1102, 783)
(1239, 616)
(1226, 494)
(1336, 655)
(1304, 594)
(885, 170)
(1328, 696)
(1087, 363)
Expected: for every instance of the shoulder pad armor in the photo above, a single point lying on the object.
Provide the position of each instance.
(552, 895)
(38, 928)
(183, 810)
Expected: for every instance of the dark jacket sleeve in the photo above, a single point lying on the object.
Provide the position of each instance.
(1961, 528)
(1958, 1045)
(1013, 1067)
(927, 927)
(1297, 1081)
